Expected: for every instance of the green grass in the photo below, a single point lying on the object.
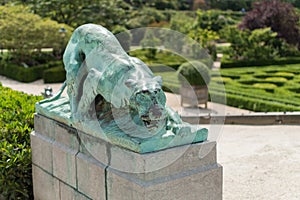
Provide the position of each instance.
(163, 57)
(264, 89)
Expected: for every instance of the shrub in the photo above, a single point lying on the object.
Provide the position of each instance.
(22, 32)
(195, 72)
(16, 123)
(221, 80)
(21, 73)
(265, 86)
(213, 20)
(227, 63)
(253, 104)
(286, 75)
(54, 75)
(252, 45)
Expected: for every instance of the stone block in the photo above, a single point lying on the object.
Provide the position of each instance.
(69, 164)
(91, 177)
(69, 193)
(44, 126)
(199, 184)
(93, 147)
(163, 163)
(66, 135)
(46, 187)
(64, 164)
(41, 148)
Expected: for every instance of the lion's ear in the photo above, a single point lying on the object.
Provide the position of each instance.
(130, 83)
(158, 79)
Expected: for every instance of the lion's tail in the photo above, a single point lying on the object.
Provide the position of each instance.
(56, 96)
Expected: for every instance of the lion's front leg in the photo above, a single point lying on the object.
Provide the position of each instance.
(89, 92)
(175, 124)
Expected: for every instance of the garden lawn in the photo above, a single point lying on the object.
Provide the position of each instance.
(260, 89)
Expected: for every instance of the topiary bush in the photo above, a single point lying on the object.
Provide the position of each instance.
(16, 123)
(54, 75)
(21, 73)
(195, 72)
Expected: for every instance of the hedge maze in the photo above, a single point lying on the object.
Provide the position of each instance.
(260, 89)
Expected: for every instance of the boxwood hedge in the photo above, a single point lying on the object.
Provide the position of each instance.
(16, 123)
(28, 74)
(225, 63)
(261, 89)
(54, 75)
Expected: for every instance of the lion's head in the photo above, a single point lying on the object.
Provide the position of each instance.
(147, 103)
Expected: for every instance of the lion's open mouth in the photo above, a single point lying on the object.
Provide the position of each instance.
(152, 123)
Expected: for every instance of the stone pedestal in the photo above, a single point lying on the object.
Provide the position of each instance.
(68, 164)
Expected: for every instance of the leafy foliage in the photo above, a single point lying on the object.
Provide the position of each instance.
(16, 123)
(258, 44)
(280, 16)
(144, 17)
(21, 73)
(160, 4)
(22, 32)
(230, 5)
(228, 63)
(77, 12)
(213, 20)
(54, 75)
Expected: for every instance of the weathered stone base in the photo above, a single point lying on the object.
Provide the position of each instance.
(73, 165)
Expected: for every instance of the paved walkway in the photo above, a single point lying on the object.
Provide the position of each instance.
(259, 162)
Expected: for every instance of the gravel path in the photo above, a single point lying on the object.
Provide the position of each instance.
(260, 162)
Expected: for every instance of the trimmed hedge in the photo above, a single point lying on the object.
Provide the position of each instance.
(263, 89)
(23, 74)
(248, 63)
(195, 72)
(16, 123)
(54, 75)
(253, 104)
(164, 67)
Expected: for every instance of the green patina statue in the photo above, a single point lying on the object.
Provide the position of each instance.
(120, 92)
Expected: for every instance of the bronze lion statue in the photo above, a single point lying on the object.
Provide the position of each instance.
(103, 81)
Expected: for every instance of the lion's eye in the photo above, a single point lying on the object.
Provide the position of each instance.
(141, 97)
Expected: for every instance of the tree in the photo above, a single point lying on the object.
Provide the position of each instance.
(230, 5)
(22, 32)
(77, 12)
(258, 44)
(159, 4)
(281, 17)
(212, 20)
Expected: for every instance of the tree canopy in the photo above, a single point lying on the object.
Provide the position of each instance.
(281, 17)
(22, 31)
